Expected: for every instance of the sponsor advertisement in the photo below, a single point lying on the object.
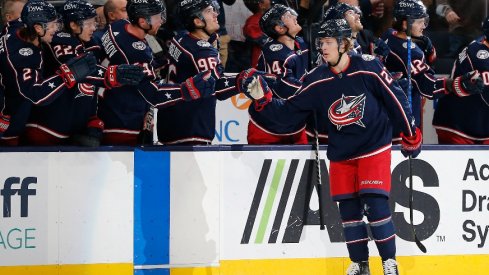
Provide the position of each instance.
(269, 211)
(66, 209)
(232, 120)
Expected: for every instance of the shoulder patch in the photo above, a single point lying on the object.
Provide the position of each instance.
(276, 47)
(63, 34)
(368, 57)
(413, 45)
(26, 51)
(139, 45)
(482, 54)
(203, 43)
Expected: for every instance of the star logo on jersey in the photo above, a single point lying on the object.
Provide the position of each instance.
(347, 110)
(226, 82)
(51, 85)
(168, 95)
(85, 90)
(100, 72)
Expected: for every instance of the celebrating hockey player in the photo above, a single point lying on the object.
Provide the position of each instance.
(123, 109)
(362, 102)
(286, 55)
(465, 120)
(189, 54)
(412, 14)
(21, 70)
(74, 114)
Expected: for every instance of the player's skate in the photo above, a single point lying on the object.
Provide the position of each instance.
(360, 268)
(390, 267)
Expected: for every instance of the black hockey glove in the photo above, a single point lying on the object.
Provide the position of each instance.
(467, 84)
(200, 85)
(424, 43)
(124, 74)
(77, 69)
(4, 123)
(411, 146)
(381, 49)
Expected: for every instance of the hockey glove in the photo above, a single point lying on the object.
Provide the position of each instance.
(77, 69)
(424, 43)
(200, 85)
(411, 145)
(92, 135)
(245, 77)
(258, 91)
(124, 74)
(381, 49)
(467, 84)
(4, 123)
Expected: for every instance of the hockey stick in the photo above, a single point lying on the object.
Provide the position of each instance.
(410, 161)
(319, 185)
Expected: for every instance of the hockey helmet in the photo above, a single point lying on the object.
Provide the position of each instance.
(77, 11)
(338, 11)
(144, 9)
(273, 17)
(38, 12)
(485, 27)
(335, 28)
(413, 9)
(191, 9)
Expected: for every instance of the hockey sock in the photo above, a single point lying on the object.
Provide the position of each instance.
(355, 229)
(381, 225)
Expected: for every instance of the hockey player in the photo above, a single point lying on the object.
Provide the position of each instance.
(286, 55)
(123, 109)
(21, 70)
(412, 13)
(362, 101)
(74, 114)
(193, 123)
(11, 10)
(465, 120)
(378, 47)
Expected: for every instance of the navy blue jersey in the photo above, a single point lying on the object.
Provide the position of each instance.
(289, 66)
(123, 109)
(192, 121)
(70, 112)
(12, 26)
(467, 116)
(23, 81)
(424, 82)
(361, 104)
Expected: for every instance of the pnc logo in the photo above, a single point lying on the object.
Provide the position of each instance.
(23, 192)
(241, 102)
